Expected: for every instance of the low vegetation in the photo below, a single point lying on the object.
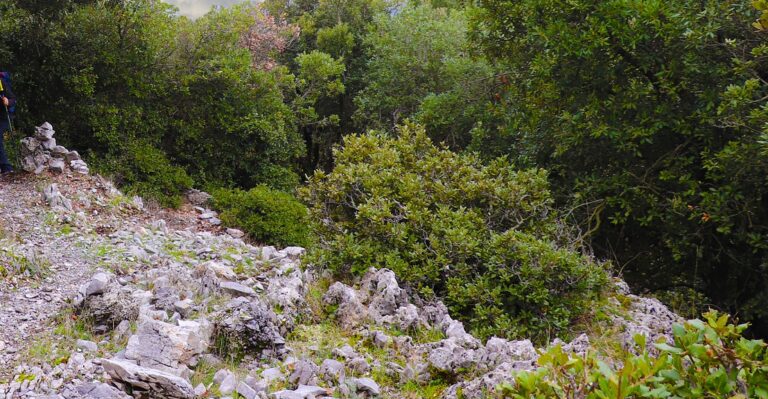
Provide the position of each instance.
(708, 359)
(267, 215)
(483, 237)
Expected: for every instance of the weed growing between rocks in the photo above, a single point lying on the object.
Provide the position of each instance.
(22, 262)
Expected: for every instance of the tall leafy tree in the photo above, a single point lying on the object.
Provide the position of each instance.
(155, 97)
(420, 66)
(633, 105)
(336, 28)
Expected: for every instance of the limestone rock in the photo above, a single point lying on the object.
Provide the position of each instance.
(197, 197)
(56, 166)
(235, 233)
(384, 294)
(648, 317)
(55, 199)
(221, 375)
(28, 164)
(351, 311)
(367, 385)
(228, 385)
(498, 350)
(236, 289)
(249, 325)
(293, 252)
(146, 382)
(49, 144)
(114, 305)
(332, 371)
(44, 132)
(246, 391)
(29, 145)
(86, 346)
(167, 347)
(451, 356)
(79, 166)
(72, 156)
(310, 391)
(484, 386)
(272, 374)
(59, 152)
(304, 373)
(97, 390)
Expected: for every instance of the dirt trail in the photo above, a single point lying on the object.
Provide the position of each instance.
(63, 244)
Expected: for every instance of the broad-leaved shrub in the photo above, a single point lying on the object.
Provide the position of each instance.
(483, 237)
(708, 359)
(270, 216)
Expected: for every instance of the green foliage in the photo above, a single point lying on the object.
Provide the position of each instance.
(267, 215)
(708, 359)
(336, 41)
(146, 171)
(420, 66)
(483, 236)
(319, 76)
(335, 28)
(117, 79)
(652, 122)
(16, 263)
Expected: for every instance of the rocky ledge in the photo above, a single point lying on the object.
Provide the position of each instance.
(176, 312)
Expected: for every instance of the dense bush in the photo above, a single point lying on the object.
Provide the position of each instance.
(144, 170)
(116, 78)
(483, 237)
(650, 116)
(708, 359)
(267, 215)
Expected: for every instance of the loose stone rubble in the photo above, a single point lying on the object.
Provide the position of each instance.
(40, 153)
(170, 304)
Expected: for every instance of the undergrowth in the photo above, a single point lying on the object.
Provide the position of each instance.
(708, 359)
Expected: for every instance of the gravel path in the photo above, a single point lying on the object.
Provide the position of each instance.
(66, 243)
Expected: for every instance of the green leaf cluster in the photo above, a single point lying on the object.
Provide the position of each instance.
(483, 237)
(267, 215)
(422, 66)
(708, 359)
(651, 117)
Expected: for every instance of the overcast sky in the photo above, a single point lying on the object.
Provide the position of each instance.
(196, 8)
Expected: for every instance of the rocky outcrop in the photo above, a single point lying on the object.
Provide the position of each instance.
(146, 382)
(53, 197)
(168, 347)
(105, 303)
(40, 153)
(184, 303)
(647, 317)
(248, 325)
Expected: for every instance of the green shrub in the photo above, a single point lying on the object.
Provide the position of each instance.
(145, 170)
(708, 359)
(483, 237)
(267, 215)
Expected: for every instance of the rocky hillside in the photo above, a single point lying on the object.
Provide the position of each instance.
(104, 297)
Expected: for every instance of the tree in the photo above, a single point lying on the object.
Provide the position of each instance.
(335, 28)
(420, 66)
(124, 81)
(631, 105)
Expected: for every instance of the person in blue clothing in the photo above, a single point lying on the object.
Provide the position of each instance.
(8, 100)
